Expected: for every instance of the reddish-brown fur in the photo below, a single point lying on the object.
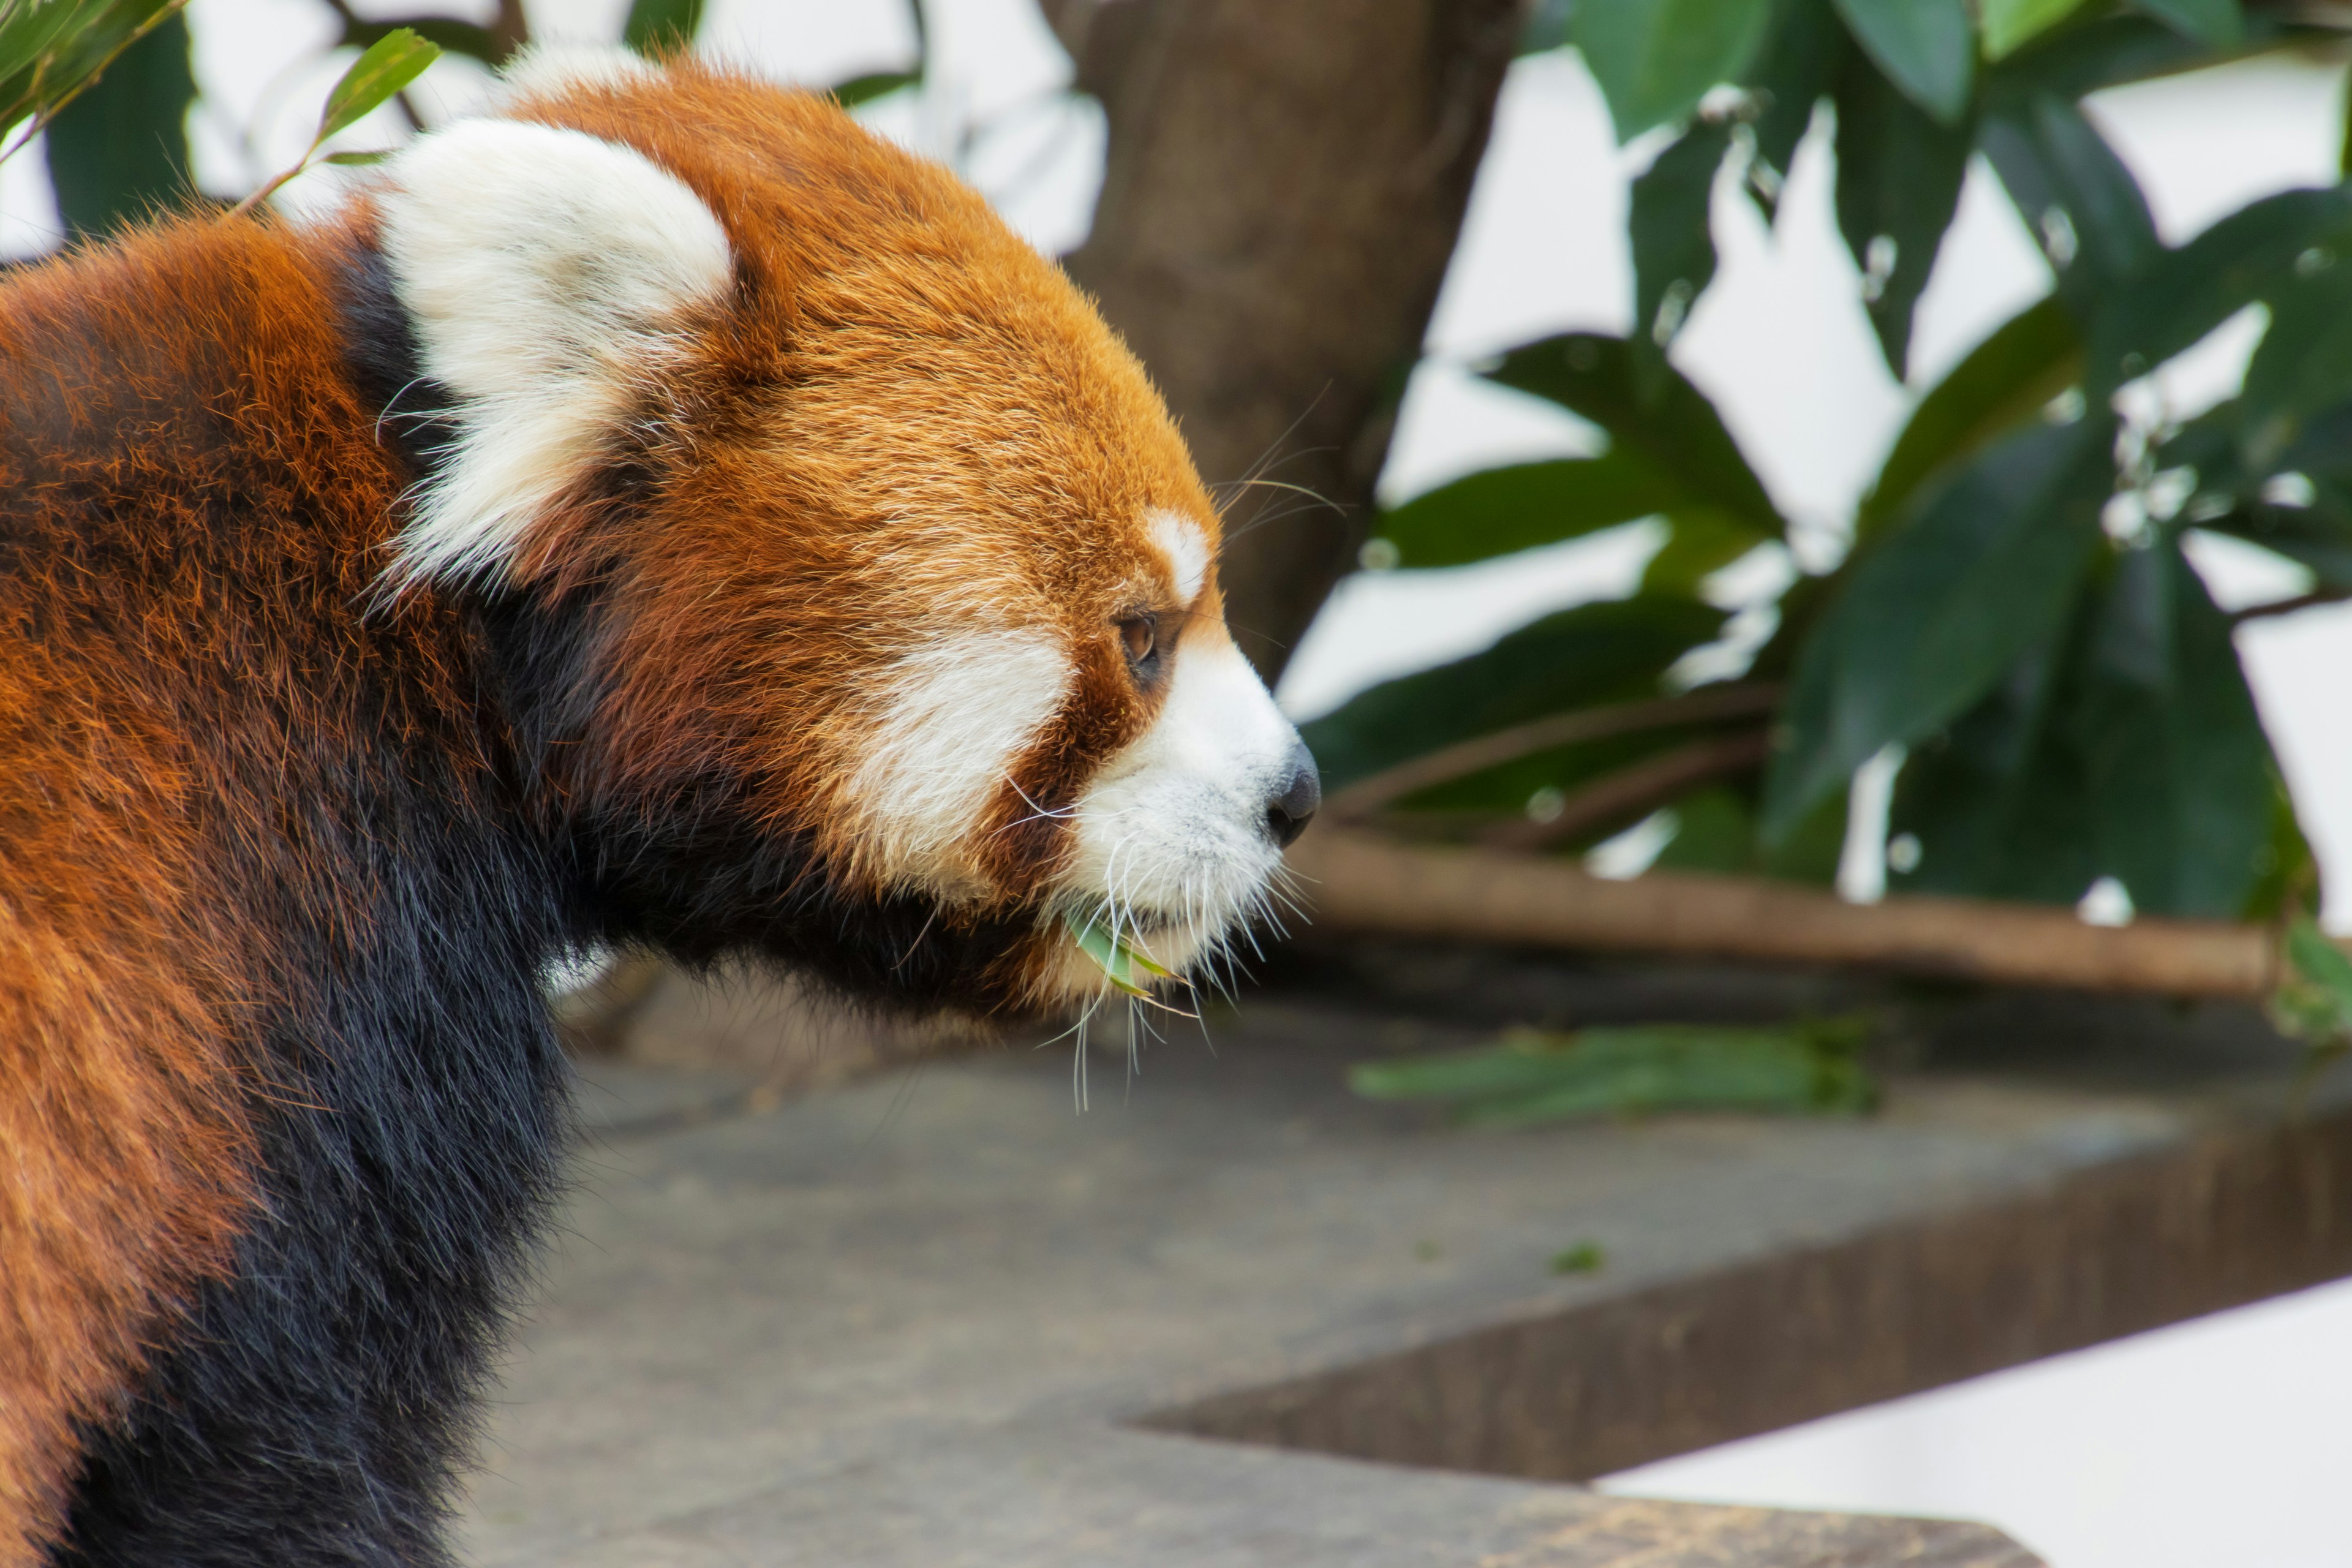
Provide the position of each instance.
(899, 408)
(122, 961)
(899, 381)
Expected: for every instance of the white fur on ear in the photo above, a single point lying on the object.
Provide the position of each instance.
(541, 70)
(543, 269)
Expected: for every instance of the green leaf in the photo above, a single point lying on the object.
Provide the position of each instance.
(1665, 420)
(1654, 59)
(2181, 295)
(51, 52)
(2219, 23)
(2099, 51)
(865, 88)
(1810, 1068)
(2005, 382)
(1898, 184)
(1546, 25)
(1614, 650)
(119, 151)
(1803, 57)
(389, 64)
(468, 38)
(2173, 751)
(1698, 544)
(2304, 366)
(1584, 1257)
(355, 159)
(1981, 573)
(2289, 883)
(1998, 806)
(1673, 243)
(656, 25)
(1925, 47)
(1715, 830)
(2010, 24)
(2077, 196)
(1120, 960)
(1503, 511)
(2315, 1001)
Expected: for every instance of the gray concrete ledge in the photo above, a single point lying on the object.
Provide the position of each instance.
(923, 1319)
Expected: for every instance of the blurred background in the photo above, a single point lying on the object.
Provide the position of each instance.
(1474, 482)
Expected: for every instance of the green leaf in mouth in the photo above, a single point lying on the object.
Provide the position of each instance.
(1119, 958)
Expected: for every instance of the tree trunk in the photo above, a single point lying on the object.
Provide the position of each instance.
(1285, 184)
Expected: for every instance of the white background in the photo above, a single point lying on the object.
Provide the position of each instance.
(2224, 1442)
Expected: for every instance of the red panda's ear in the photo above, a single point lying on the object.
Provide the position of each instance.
(545, 273)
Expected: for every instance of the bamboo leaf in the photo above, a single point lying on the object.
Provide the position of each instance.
(388, 65)
(865, 88)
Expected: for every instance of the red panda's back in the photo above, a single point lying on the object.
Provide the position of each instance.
(183, 476)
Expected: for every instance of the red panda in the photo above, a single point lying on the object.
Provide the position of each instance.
(658, 513)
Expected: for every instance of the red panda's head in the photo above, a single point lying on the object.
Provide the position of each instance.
(856, 594)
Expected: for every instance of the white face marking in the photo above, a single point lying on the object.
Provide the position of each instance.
(1171, 837)
(1180, 540)
(961, 711)
(543, 271)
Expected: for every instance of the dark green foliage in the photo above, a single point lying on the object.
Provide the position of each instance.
(1501, 511)
(2016, 612)
(2005, 380)
(1655, 59)
(1793, 73)
(1899, 173)
(656, 26)
(1673, 247)
(2076, 194)
(1982, 574)
(1926, 47)
(1666, 421)
(120, 152)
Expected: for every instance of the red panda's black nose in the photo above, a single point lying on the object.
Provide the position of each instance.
(1286, 815)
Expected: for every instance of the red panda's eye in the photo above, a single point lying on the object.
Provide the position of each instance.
(1141, 637)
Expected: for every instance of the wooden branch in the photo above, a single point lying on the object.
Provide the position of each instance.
(1705, 705)
(1633, 791)
(1355, 882)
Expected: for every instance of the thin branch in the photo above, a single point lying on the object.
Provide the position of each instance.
(2290, 604)
(1705, 705)
(1637, 789)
